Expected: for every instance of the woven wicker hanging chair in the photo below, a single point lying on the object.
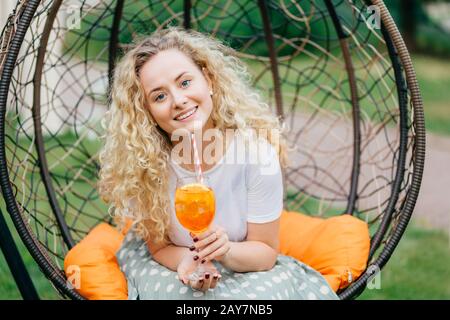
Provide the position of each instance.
(341, 79)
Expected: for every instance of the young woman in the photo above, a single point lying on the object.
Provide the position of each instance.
(182, 81)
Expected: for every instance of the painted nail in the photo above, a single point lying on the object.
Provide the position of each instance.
(195, 239)
(192, 248)
(203, 261)
(195, 258)
(201, 280)
(207, 276)
(215, 277)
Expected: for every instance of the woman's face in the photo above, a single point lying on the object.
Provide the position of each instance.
(177, 92)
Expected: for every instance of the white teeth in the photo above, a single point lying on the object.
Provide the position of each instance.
(186, 115)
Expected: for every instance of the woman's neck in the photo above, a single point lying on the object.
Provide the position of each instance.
(211, 149)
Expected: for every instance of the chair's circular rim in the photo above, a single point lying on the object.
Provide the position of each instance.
(55, 275)
(27, 236)
(418, 154)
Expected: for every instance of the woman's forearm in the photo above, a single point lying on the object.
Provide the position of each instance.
(171, 256)
(250, 256)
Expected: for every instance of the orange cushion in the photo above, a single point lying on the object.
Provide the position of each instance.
(91, 266)
(337, 247)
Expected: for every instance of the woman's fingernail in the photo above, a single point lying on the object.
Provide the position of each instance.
(192, 248)
(207, 276)
(195, 239)
(195, 258)
(215, 277)
(203, 261)
(201, 280)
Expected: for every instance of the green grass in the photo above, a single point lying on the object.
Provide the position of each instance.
(418, 269)
(433, 75)
(8, 288)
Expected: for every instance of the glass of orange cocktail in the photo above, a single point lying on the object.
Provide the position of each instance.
(195, 208)
(195, 205)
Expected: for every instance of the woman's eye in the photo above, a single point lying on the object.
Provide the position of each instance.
(159, 97)
(185, 83)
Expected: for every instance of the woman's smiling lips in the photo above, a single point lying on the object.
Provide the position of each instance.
(191, 112)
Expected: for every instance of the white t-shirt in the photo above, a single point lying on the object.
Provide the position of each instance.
(247, 184)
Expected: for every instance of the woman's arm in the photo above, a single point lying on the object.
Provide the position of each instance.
(171, 256)
(257, 253)
(168, 255)
(260, 250)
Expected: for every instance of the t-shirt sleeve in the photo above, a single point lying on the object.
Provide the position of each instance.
(264, 185)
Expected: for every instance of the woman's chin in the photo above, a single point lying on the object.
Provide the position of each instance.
(182, 128)
(192, 125)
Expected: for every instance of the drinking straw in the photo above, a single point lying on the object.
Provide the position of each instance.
(198, 169)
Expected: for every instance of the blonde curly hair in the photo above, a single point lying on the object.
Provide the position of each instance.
(134, 159)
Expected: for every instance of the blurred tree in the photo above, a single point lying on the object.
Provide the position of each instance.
(435, 1)
(408, 22)
(420, 32)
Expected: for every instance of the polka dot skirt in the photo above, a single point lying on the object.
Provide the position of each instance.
(289, 279)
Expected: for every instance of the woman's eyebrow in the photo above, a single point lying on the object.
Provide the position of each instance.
(176, 79)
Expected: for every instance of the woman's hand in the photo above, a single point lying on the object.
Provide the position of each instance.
(212, 244)
(209, 275)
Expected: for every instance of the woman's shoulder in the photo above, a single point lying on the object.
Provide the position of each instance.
(257, 148)
(261, 156)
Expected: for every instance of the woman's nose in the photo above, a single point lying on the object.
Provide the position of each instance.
(180, 99)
